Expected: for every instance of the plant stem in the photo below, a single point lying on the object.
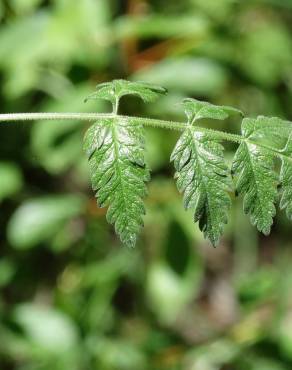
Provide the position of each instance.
(10, 117)
(116, 106)
(182, 126)
(172, 125)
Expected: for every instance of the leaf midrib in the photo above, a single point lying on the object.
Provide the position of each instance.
(117, 164)
(201, 174)
(255, 177)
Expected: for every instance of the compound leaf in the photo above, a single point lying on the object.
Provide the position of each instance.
(286, 178)
(115, 89)
(115, 147)
(196, 109)
(204, 178)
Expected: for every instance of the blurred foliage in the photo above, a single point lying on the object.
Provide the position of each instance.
(71, 297)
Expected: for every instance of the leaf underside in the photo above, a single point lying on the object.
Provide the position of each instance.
(203, 177)
(196, 109)
(115, 148)
(116, 89)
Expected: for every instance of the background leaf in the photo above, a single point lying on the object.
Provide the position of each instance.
(39, 219)
(11, 180)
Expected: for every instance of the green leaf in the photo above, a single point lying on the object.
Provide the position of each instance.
(286, 178)
(46, 328)
(204, 178)
(254, 167)
(160, 27)
(7, 271)
(24, 6)
(272, 129)
(256, 180)
(115, 147)
(198, 76)
(196, 109)
(11, 180)
(40, 219)
(115, 89)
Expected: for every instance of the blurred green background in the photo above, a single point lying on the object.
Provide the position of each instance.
(71, 297)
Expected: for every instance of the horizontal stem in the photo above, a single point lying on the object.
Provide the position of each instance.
(221, 135)
(9, 117)
(182, 126)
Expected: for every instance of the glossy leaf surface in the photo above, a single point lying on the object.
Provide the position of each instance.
(273, 130)
(115, 148)
(203, 177)
(253, 166)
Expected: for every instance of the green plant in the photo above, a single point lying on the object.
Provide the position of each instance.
(115, 148)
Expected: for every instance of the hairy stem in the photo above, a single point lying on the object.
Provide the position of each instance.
(182, 126)
(174, 125)
(10, 117)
